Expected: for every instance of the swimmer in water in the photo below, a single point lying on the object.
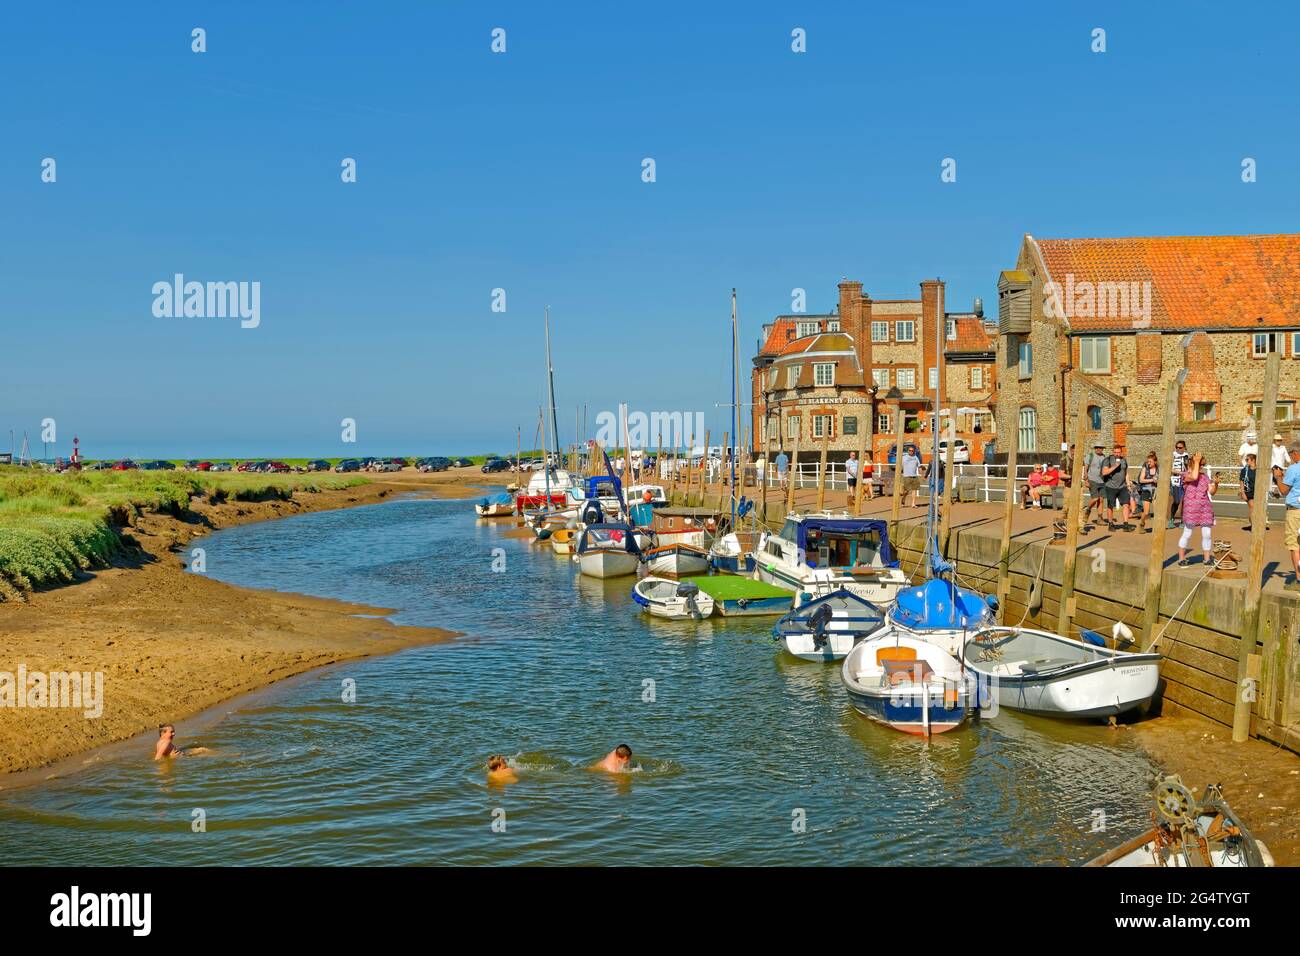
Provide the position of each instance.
(499, 771)
(616, 761)
(167, 748)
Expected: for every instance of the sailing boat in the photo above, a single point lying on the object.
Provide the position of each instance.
(733, 552)
(553, 482)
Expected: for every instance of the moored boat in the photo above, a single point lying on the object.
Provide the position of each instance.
(562, 540)
(827, 628)
(1043, 673)
(733, 552)
(608, 551)
(736, 596)
(678, 600)
(676, 560)
(819, 553)
(1187, 832)
(906, 683)
(495, 506)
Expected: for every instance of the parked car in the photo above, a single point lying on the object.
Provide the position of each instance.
(367, 464)
(462, 463)
(104, 465)
(348, 464)
(221, 466)
(318, 464)
(960, 452)
(387, 464)
(277, 467)
(203, 466)
(495, 464)
(435, 463)
(399, 462)
(125, 464)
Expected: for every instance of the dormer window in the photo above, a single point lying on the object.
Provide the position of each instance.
(833, 325)
(807, 328)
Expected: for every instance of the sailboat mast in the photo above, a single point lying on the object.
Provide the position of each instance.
(550, 386)
(735, 406)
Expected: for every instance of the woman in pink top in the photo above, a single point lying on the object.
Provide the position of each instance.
(1198, 510)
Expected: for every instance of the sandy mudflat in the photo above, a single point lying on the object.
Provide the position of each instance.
(172, 644)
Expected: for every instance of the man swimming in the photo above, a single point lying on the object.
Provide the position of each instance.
(499, 771)
(167, 748)
(617, 760)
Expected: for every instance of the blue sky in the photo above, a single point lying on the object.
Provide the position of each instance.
(522, 171)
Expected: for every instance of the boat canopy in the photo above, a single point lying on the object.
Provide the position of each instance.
(500, 499)
(845, 526)
(642, 514)
(616, 537)
(601, 486)
(940, 604)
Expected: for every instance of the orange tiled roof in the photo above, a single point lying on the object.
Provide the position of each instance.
(778, 337)
(972, 336)
(821, 342)
(1196, 281)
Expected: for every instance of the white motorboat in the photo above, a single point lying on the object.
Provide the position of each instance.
(942, 613)
(676, 560)
(816, 554)
(827, 628)
(608, 551)
(680, 600)
(1043, 673)
(906, 683)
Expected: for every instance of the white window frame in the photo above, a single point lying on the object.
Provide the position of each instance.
(833, 325)
(977, 378)
(1257, 410)
(1027, 422)
(1213, 415)
(880, 377)
(880, 331)
(899, 327)
(792, 376)
(908, 375)
(1295, 344)
(805, 328)
(950, 329)
(820, 423)
(1089, 361)
(885, 424)
(1270, 338)
(1025, 358)
(792, 426)
(934, 379)
(823, 370)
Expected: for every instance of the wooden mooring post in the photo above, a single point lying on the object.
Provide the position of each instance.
(1008, 515)
(898, 473)
(1160, 516)
(793, 472)
(1252, 631)
(863, 487)
(821, 470)
(1073, 504)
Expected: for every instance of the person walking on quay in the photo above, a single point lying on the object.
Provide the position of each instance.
(910, 469)
(851, 473)
(1198, 510)
(1248, 447)
(1114, 472)
(1288, 483)
(1176, 468)
(782, 466)
(1096, 484)
(1247, 488)
(868, 477)
(1148, 476)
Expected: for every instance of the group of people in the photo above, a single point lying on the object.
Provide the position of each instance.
(618, 760)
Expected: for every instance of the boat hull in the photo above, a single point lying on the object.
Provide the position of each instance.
(753, 607)
(494, 511)
(906, 712)
(677, 607)
(676, 560)
(607, 563)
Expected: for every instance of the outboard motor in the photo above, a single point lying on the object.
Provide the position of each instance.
(592, 513)
(818, 621)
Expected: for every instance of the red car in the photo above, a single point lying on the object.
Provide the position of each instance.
(204, 466)
(126, 464)
(278, 467)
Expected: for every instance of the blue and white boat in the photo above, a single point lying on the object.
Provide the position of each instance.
(818, 553)
(907, 683)
(827, 628)
(676, 600)
(608, 550)
(495, 506)
(942, 613)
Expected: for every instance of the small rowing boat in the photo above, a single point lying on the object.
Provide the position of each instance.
(676, 560)
(495, 506)
(826, 628)
(906, 683)
(608, 551)
(677, 600)
(562, 540)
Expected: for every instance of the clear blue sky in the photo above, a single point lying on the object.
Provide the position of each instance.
(775, 170)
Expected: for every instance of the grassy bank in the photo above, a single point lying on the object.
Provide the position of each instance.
(53, 526)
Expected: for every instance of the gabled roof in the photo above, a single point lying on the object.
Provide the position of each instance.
(972, 336)
(1195, 281)
(821, 342)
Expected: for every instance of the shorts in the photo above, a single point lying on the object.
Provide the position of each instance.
(852, 481)
(1292, 536)
(1147, 495)
(1095, 490)
(1176, 494)
(1116, 496)
(911, 484)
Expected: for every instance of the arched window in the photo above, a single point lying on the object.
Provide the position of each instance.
(1094, 417)
(1028, 429)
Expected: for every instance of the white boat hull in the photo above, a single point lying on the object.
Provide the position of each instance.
(836, 646)
(676, 562)
(494, 511)
(607, 563)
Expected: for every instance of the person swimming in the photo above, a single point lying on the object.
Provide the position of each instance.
(616, 761)
(167, 747)
(499, 771)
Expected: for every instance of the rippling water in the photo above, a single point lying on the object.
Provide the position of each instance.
(737, 746)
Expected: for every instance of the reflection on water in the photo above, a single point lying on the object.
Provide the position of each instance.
(736, 744)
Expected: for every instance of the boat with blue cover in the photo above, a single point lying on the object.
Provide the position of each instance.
(907, 683)
(608, 550)
(495, 506)
(818, 553)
